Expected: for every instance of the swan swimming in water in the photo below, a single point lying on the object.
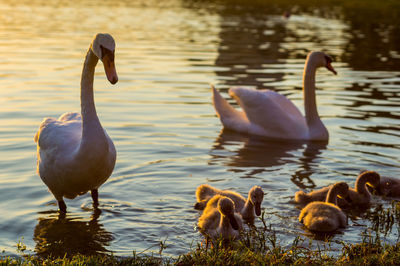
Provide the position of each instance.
(219, 219)
(301, 197)
(270, 114)
(247, 208)
(357, 197)
(360, 196)
(388, 186)
(75, 154)
(325, 216)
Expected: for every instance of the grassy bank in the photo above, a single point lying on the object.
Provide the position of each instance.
(362, 254)
(258, 246)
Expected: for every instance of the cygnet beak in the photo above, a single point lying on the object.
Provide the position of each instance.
(257, 208)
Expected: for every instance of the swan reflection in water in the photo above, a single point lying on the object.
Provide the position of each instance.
(311, 153)
(261, 153)
(60, 235)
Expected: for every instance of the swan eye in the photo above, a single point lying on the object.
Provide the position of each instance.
(106, 52)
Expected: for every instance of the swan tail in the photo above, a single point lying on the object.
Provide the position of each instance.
(36, 137)
(70, 116)
(322, 224)
(201, 205)
(45, 124)
(302, 197)
(229, 116)
(205, 192)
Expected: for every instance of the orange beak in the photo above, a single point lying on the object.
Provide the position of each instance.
(109, 68)
(330, 68)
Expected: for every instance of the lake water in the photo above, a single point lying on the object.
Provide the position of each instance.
(163, 124)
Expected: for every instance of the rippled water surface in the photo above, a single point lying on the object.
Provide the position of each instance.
(163, 124)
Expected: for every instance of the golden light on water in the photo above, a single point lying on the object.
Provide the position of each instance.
(161, 117)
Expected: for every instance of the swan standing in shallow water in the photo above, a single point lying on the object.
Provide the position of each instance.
(247, 208)
(270, 114)
(219, 219)
(325, 216)
(75, 154)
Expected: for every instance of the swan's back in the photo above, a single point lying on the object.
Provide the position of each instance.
(62, 133)
(322, 217)
(270, 114)
(211, 216)
(301, 197)
(210, 223)
(316, 195)
(325, 216)
(58, 141)
(205, 192)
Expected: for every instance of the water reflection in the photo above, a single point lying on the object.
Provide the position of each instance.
(302, 176)
(248, 41)
(255, 151)
(237, 151)
(69, 235)
(166, 64)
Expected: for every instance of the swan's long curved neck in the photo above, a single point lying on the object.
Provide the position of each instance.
(224, 225)
(248, 209)
(91, 127)
(360, 185)
(88, 108)
(331, 197)
(317, 130)
(310, 105)
(224, 222)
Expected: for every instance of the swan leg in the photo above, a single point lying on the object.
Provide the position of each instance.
(207, 241)
(95, 197)
(62, 206)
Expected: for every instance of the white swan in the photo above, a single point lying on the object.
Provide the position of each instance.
(247, 208)
(270, 114)
(219, 219)
(325, 216)
(75, 154)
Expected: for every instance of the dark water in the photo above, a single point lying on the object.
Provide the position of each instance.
(163, 124)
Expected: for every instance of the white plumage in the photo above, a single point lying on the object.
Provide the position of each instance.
(75, 154)
(270, 114)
